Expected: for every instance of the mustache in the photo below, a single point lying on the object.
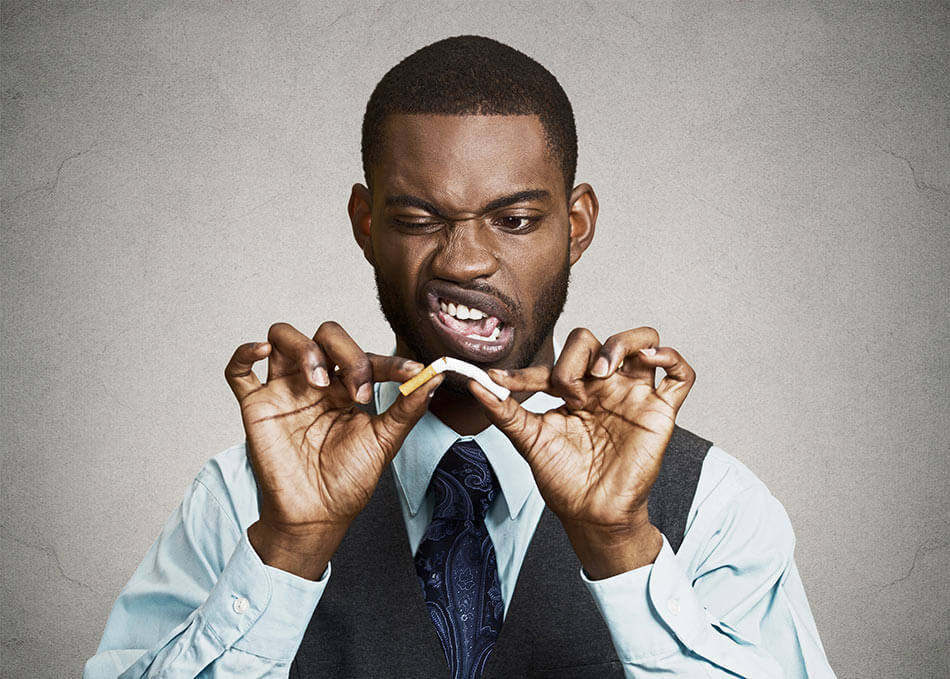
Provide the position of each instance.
(483, 287)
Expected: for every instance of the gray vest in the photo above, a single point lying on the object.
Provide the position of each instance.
(372, 620)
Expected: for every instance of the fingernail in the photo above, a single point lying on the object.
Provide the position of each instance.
(320, 376)
(600, 367)
(649, 352)
(413, 365)
(364, 393)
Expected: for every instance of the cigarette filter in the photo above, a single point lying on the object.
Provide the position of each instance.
(440, 365)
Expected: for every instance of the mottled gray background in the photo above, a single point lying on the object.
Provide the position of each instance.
(774, 185)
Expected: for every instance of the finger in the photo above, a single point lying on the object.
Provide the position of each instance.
(622, 352)
(384, 369)
(531, 379)
(577, 357)
(355, 368)
(295, 353)
(518, 424)
(239, 373)
(392, 368)
(679, 377)
(392, 426)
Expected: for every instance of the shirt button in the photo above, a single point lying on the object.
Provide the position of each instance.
(673, 605)
(241, 605)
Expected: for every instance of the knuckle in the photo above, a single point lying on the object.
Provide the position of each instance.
(612, 345)
(649, 334)
(581, 333)
(564, 382)
(328, 327)
(358, 368)
(311, 358)
(277, 328)
(240, 355)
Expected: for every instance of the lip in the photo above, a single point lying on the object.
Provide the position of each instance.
(459, 345)
(471, 298)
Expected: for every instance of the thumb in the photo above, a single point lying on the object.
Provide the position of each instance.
(392, 426)
(518, 424)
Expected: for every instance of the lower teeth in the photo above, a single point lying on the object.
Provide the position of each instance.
(496, 333)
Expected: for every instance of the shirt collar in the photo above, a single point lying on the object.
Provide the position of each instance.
(431, 438)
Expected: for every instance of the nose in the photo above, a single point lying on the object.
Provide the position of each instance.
(466, 252)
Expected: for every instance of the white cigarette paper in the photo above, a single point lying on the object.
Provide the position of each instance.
(440, 365)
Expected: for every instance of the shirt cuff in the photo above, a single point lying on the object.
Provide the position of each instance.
(259, 609)
(651, 609)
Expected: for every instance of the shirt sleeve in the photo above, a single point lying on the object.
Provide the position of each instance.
(202, 603)
(730, 603)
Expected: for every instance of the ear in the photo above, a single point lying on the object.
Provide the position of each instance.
(582, 214)
(360, 209)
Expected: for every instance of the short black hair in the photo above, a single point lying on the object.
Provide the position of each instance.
(472, 75)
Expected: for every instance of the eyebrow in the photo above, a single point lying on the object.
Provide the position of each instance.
(406, 200)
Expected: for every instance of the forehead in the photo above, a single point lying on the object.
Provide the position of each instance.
(461, 162)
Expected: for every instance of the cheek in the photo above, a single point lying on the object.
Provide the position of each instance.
(399, 260)
(538, 262)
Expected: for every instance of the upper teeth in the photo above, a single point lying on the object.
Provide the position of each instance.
(462, 312)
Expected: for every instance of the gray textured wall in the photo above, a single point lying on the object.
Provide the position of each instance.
(774, 184)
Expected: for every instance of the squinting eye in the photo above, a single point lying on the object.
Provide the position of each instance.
(414, 225)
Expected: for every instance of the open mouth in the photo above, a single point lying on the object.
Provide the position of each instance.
(474, 326)
(471, 322)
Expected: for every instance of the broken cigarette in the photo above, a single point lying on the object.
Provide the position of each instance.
(440, 365)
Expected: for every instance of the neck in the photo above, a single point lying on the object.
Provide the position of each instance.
(459, 411)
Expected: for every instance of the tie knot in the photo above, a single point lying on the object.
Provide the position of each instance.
(463, 483)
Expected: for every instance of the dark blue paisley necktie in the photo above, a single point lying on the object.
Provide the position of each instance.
(456, 561)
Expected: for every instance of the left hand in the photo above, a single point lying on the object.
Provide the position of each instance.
(596, 458)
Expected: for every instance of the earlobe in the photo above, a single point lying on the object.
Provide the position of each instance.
(360, 209)
(582, 213)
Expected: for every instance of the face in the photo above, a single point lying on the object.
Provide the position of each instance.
(471, 235)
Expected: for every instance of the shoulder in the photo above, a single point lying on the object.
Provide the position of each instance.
(733, 508)
(724, 477)
(227, 480)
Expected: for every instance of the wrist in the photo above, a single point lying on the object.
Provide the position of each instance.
(605, 551)
(305, 554)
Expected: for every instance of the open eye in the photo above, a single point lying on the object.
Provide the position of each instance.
(516, 222)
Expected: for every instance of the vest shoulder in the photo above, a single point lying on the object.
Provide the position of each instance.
(684, 438)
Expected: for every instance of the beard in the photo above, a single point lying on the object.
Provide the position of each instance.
(544, 316)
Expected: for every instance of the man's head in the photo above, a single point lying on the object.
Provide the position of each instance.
(472, 75)
(469, 165)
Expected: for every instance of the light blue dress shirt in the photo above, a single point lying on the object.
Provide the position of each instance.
(729, 602)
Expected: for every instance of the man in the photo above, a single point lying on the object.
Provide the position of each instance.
(541, 529)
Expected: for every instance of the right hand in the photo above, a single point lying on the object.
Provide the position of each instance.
(316, 456)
